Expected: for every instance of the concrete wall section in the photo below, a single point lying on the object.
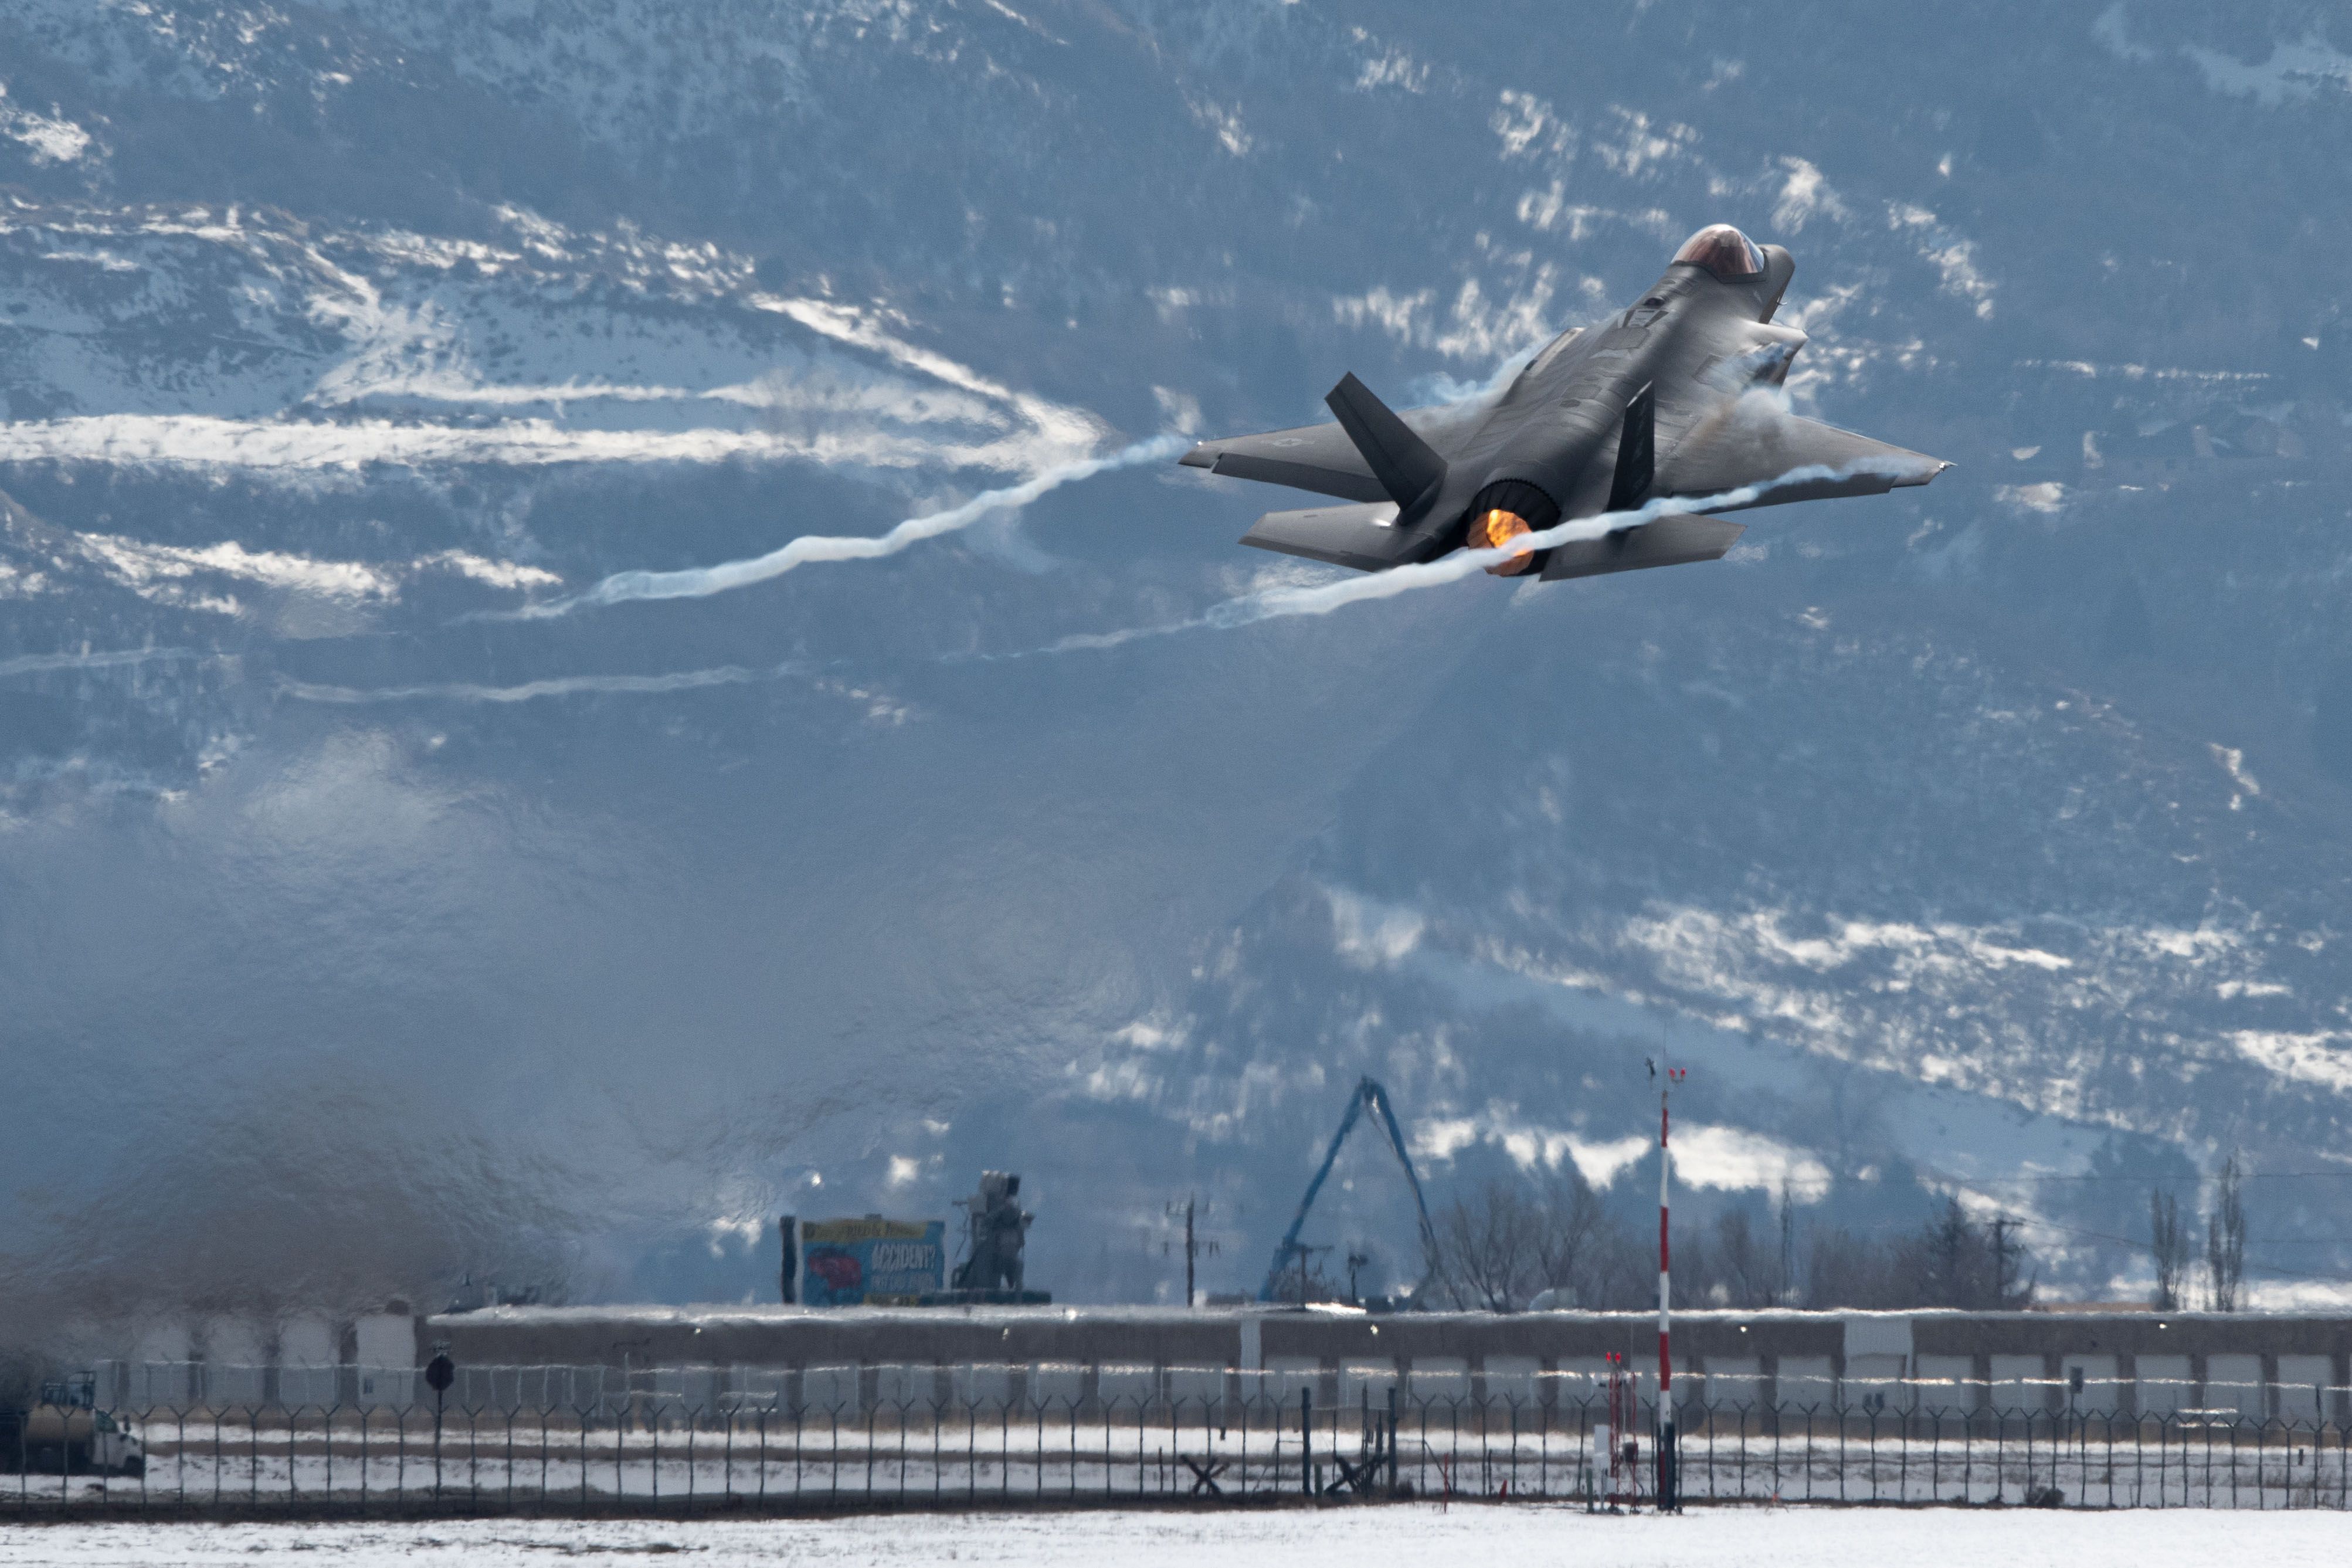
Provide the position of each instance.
(2300, 1384)
(1806, 1383)
(2164, 1384)
(1947, 1383)
(2290, 1366)
(1955, 1361)
(2234, 1384)
(2102, 1389)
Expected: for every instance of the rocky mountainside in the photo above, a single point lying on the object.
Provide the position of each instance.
(366, 929)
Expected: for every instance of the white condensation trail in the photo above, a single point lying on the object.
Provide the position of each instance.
(530, 690)
(1326, 597)
(37, 663)
(700, 582)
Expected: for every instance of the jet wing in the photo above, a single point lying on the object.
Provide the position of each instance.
(1676, 541)
(1318, 458)
(1364, 537)
(1752, 442)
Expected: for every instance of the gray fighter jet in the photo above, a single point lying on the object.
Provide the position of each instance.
(1676, 398)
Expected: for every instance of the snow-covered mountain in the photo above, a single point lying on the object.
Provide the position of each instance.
(361, 931)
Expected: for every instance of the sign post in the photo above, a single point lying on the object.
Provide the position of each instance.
(439, 1374)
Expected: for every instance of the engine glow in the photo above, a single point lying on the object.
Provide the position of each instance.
(1493, 530)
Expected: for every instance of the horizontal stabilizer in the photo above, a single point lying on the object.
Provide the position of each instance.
(1674, 540)
(1363, 537)
(1317, 457)
(1407, 467)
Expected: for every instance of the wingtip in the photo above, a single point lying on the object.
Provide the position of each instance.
(1200, 457)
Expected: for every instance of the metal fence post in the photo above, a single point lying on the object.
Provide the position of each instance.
(1392, 1440)
(1307, 1440)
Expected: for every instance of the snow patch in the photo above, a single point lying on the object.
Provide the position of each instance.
(49, 138)
(2112, 30)
(1953, 257)
(1441, 1138)
(141, 566)
(1370, 934)
(1526, 124)
(1232, 134)
(1600, 1163)
(1804, 196)
(2048, 497)
(2294, 73)
(2324, 1058)
(1733, 1158)
(1643, 147)
(2233, 763)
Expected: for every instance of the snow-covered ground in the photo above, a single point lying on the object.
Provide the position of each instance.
(1295, 1538)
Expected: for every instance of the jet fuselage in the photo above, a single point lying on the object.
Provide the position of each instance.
(1652, 405)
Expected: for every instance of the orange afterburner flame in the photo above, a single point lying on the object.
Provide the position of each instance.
(1495, 531)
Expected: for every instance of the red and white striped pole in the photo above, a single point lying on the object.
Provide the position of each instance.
(1667, 1496)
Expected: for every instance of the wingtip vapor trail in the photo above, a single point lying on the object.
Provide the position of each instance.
(1325, 597)
(700, 581)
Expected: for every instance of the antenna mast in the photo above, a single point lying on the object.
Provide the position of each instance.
(1668, 1502)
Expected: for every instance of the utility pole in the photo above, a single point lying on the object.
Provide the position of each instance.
(1668, 1501)
(1305, 1255)
(1189, 1253)
(1787, 1295)
(1193, 1247)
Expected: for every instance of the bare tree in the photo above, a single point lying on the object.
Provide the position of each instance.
(1844, 1270)
(1576, 1246)
(1490, 1248)
(1950, 1261)
(2169, 1241)
(1499, 1246)
(1749, 1277)
(1784, 1289)
(2225, 1238)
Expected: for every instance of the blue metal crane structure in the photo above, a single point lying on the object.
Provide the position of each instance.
(1368, 1092)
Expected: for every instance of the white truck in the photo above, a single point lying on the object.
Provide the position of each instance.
(67, 1434)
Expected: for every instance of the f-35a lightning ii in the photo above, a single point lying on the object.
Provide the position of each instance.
(1660, 402)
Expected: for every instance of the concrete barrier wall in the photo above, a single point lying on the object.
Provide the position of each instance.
(2295, 1365)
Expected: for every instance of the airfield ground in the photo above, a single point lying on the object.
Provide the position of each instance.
(1462, 1537)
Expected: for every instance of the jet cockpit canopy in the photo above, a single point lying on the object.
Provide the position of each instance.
(1723, 250)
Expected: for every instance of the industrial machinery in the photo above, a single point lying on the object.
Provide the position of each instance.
(1288, 1252)
(998, 1234)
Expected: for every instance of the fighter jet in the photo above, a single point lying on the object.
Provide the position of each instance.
(1676, 398)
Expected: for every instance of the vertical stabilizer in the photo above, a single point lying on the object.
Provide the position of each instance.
(1407, 467)
(1637, 453)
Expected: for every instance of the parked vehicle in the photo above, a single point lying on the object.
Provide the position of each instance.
(67, 1434)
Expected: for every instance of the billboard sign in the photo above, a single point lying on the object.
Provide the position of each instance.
(869, 1262)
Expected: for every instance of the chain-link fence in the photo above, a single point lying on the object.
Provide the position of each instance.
(859, 1437)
